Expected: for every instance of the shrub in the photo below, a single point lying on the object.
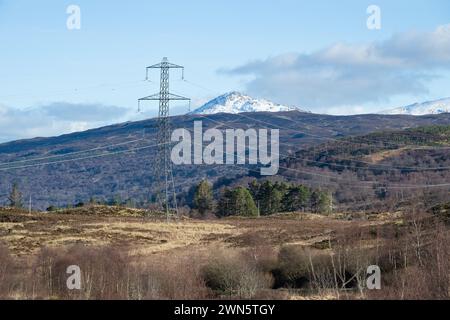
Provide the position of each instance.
(103, 271)
(302, 268)
(175, 278)
(111, 273)
(292, 269)
(232, 275)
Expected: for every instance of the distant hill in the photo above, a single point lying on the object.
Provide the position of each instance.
(424, 108)
(114, 162)
(236, 102)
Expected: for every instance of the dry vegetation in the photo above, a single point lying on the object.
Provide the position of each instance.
(125, 255)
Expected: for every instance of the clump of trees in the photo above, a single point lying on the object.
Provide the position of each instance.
(267, 198)
(283, 197)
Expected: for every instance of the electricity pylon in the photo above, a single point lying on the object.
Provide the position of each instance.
(162, 170)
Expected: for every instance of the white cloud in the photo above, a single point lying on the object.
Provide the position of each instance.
(55, 119)
(352, 74)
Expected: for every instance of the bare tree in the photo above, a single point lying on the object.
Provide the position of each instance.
(15, 197)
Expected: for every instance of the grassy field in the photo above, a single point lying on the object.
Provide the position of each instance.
(25, 234)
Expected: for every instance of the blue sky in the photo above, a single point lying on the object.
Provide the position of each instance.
(316, 54)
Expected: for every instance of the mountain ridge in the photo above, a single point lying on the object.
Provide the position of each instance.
(422, 108)
(235, 102)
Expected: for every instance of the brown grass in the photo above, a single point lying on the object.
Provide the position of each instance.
(294, 256)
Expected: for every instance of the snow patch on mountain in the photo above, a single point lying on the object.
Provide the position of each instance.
(236, 102)
(425, 108)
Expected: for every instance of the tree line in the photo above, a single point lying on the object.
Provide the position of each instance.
(257, 199)
(261, 199)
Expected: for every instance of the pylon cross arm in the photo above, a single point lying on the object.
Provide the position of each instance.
(170, 96)
(165, 65)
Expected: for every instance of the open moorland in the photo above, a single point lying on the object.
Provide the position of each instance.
(124, 254)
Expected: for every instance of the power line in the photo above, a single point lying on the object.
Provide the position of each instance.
(390, 168)
(328, 138)
(70, 153)
(198, 86)
(396, 168)
(248, 169)
(360, 183)
(355, 181)
(363, 183)
(80, 158)
(117, 84)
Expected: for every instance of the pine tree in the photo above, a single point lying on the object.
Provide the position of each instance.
(254, 187)
(203, 198)
(296, 199)
(243, 203)
(224, 207)
(320, 202)
(237, 202)
(270, 198)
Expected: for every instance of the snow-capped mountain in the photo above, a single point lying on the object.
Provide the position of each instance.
(236, 102)
(420, 109)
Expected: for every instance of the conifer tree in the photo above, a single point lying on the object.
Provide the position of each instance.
(203, 198)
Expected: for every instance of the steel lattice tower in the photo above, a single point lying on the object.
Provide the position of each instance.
(162, 170)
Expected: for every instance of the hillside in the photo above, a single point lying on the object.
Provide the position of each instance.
(382, 170)
(114, 162)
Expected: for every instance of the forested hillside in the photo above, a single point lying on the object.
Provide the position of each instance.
(114, 164)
